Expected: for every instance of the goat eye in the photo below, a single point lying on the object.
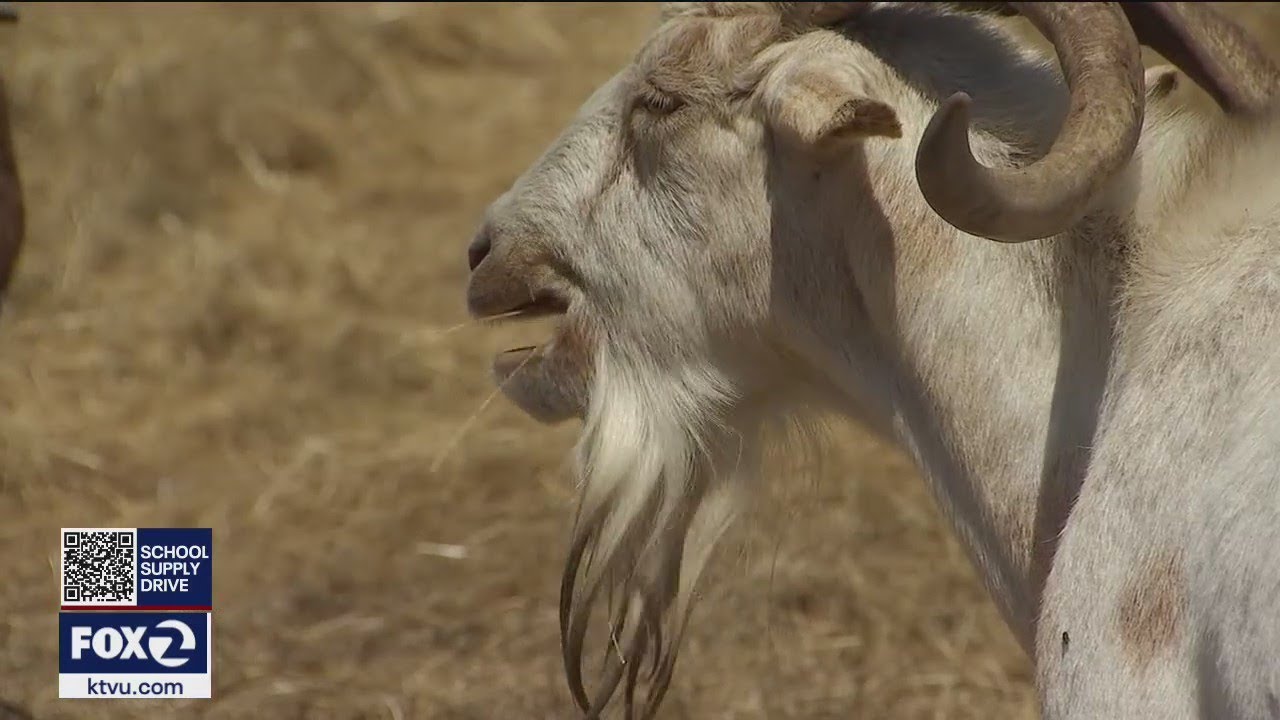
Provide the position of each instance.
(659, 103)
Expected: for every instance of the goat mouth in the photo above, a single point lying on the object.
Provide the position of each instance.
(550, 381)
(542, 305)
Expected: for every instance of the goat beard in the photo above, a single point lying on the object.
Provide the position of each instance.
(664, 464)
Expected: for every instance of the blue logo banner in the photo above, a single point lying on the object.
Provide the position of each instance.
(175, 568)
(133, 642)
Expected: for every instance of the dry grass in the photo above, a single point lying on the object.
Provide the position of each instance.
(241, 307)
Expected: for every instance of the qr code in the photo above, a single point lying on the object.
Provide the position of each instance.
(99, 566)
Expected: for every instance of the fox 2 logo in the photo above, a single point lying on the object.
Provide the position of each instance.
(133, 642)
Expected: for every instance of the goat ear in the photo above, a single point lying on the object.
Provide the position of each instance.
(860, 118)
(1160, 80)
(821, 115)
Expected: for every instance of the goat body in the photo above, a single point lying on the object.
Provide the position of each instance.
(735, 228)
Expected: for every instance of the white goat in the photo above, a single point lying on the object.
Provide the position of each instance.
(776, 207)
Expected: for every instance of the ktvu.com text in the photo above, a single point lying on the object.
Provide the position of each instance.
(156, 639)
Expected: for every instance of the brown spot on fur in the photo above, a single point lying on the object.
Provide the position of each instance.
(1152, 608)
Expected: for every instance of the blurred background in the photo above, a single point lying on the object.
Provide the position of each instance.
(241, 306)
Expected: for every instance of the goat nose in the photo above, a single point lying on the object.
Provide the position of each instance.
(479, 248)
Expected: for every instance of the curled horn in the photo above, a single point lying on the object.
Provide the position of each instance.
(1103, 68)
(1097, 46)
(1211, 49)
(1216, 53)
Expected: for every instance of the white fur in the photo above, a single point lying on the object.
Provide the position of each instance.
(1095, 413)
